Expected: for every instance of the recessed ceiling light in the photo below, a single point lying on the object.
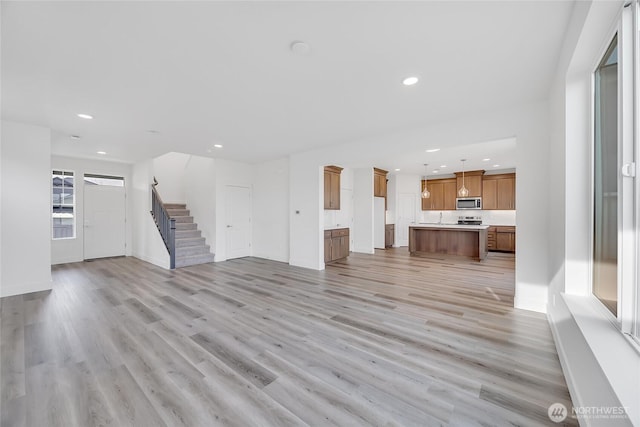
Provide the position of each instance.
(102, 153)
(300, 48)
(217, 145)
(486, 160)
(432, 150)
(436, 171)
(410, 81)
(85, 116)
(75, 137)
(496, 166)
(397, 169)
(443, 166)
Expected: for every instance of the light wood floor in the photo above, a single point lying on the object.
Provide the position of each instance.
(382, 339)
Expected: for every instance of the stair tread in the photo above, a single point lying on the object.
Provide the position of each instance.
(204, 254)
(192, 250)
(186, 261)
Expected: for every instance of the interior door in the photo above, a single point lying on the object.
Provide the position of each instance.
(406, 216)
(238, 217)
(104, 221)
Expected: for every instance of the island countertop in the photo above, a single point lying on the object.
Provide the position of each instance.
(450, 226)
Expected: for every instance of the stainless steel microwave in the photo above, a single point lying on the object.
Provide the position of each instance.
(469, 203)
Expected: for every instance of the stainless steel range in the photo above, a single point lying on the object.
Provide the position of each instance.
(470, 220)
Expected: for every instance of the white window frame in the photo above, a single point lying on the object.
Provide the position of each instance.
(75, 211)
(626, 28)
(628, 54)
(635, 321)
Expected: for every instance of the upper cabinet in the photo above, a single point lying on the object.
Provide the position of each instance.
(442, 195)
(499, 192)
(332, 187)
(380, 184)
(472, 181)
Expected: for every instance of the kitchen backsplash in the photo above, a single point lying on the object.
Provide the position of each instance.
(488, 217)
(335, 219)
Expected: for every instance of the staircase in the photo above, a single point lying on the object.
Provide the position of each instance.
(190, 245)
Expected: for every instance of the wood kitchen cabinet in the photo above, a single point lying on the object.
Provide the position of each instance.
(443, 195)
(389, 235)
(380, 184)
(501, 238)
(499, 192)
(472, 181)
(336, 244)
(491, 239)
(332, 187)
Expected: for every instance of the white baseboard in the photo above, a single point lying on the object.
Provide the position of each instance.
(7, 290)
(163, 263)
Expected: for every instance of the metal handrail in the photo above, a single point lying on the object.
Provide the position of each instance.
(166, 225)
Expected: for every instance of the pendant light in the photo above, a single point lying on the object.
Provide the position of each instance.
(425, 193)
(463, 192)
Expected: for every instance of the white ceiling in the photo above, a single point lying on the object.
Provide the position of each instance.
(204, 73)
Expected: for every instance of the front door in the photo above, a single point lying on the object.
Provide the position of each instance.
(104, 220)
(238, 215)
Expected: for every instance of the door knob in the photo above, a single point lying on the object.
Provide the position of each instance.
(228, 226)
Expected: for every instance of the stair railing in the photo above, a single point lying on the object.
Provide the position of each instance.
(166, 225)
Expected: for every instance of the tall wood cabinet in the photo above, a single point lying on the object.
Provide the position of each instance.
(472, 181)
(332, 187)
(499, 192)
(443, 195)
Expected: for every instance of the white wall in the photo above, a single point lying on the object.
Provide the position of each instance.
(227, 173)
(72, 250)
(306, 186)
(147, 242)
(169, 170)
(26, 209)
(600, 366)
(271, 210)
(198, 186)
(363, 211)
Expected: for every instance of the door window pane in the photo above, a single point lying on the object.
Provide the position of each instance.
(112, 181)
(63, 205)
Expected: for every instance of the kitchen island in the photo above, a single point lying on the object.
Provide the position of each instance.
(449, 239)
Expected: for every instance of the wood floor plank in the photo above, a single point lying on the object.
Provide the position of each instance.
(382, 339)
(126, 399)
(222, 350)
